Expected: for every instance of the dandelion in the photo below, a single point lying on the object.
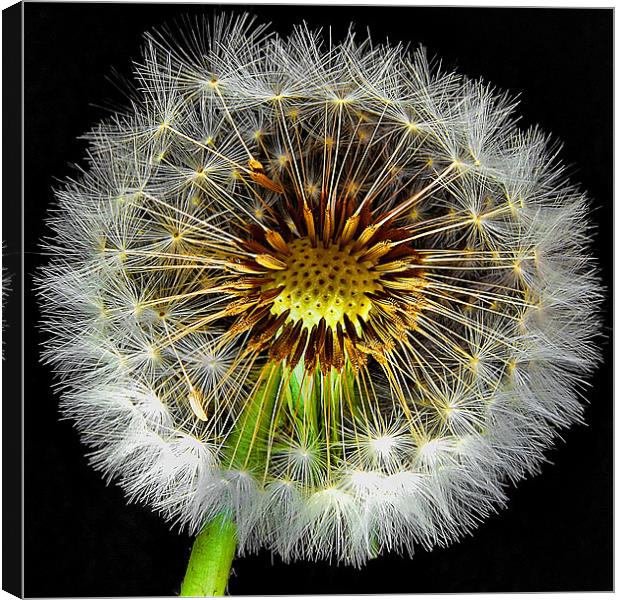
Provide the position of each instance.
(321, 298)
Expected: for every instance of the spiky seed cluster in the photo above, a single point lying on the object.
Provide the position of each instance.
(338, 284)
(330, 290)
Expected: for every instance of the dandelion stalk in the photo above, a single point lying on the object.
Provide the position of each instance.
(211, 559)
(247, 444)
(213, 551)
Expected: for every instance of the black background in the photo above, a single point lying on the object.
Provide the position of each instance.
(556, 535)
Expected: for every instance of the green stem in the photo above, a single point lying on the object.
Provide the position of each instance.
(214, 548)
(211, 559)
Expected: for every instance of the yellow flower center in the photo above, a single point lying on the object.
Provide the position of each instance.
(324, 283)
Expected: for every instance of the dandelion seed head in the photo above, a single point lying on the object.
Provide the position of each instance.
(331, 290)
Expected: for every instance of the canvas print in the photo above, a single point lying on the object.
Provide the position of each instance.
(317, 302)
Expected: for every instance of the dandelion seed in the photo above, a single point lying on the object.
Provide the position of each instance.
(343, 300)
